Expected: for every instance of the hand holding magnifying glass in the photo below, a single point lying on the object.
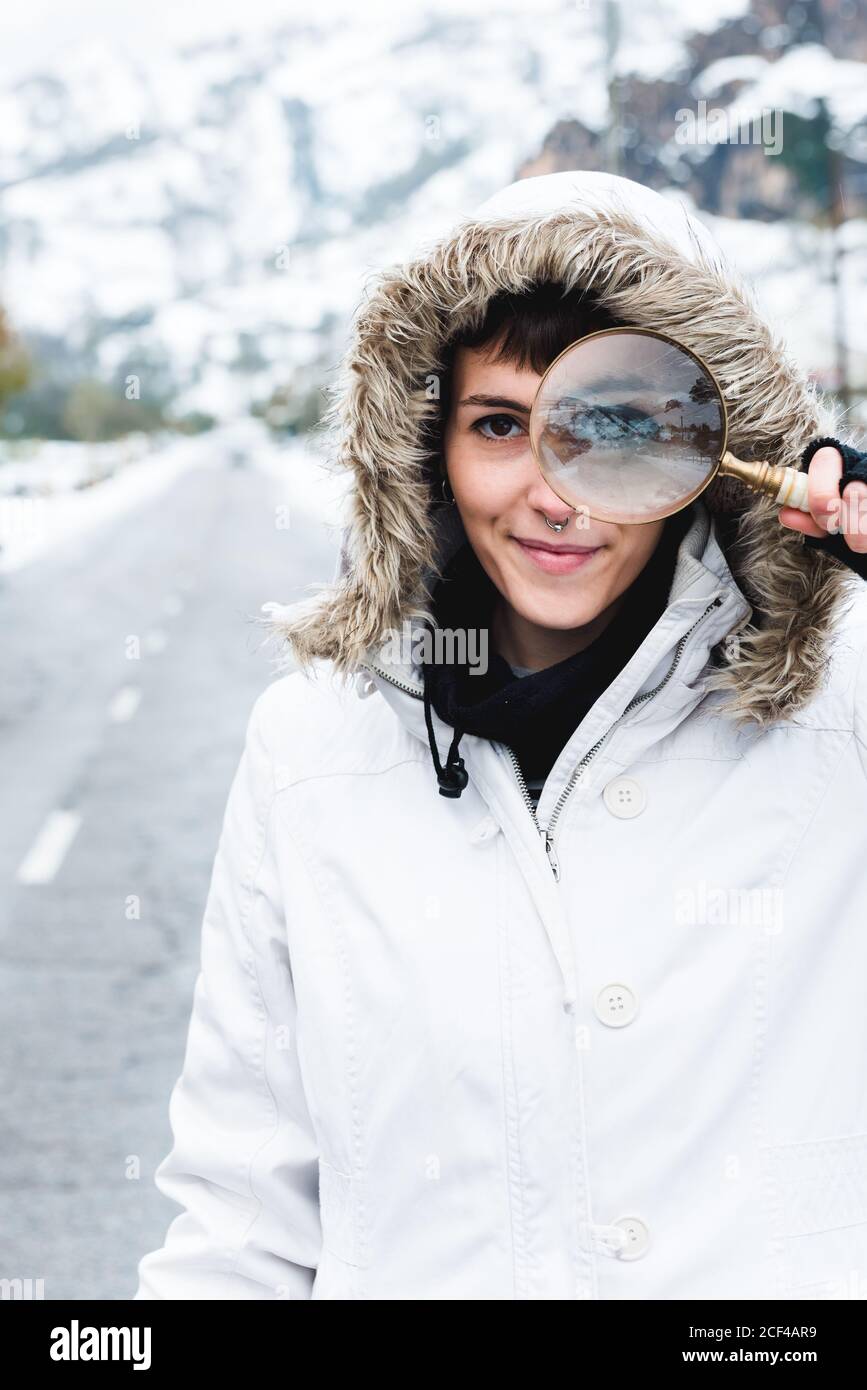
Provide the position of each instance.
(630, 426)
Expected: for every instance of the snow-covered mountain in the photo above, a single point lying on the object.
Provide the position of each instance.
(206, 218)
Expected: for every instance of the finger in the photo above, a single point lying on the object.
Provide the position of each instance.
(854, 516)
(800, 521)
(823, 487)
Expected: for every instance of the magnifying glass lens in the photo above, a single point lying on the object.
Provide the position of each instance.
(628, 426)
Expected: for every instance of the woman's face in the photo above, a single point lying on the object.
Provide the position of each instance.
(560, 581)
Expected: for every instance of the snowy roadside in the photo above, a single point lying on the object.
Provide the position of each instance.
(65, 491)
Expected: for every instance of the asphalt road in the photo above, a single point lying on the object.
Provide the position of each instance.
(115, 775)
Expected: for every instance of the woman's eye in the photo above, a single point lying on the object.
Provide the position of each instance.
(498, 427)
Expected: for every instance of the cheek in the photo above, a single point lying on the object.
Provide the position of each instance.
(636, 546)
(484, 488)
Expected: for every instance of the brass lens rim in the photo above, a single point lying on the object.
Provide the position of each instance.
(533, 428)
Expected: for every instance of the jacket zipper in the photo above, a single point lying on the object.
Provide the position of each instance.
(547, 831)
(544, 831)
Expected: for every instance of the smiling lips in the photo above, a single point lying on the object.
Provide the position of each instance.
(556, 559)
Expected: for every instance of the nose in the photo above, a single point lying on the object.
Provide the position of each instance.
(543, 499)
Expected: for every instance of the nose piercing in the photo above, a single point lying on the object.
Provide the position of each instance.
(556, 525)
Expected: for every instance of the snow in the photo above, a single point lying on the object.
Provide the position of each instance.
(56, 509)
(33, 524)
(787, 265)
(274, 171)
(746, 67)
(794, 82)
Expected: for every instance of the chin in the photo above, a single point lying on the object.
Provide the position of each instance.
(553, 612)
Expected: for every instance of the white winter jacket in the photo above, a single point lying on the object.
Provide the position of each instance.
(612, 1049)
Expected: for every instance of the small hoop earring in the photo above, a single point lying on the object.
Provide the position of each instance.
(450, 496)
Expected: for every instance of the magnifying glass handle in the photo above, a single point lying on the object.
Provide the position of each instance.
(788, 486)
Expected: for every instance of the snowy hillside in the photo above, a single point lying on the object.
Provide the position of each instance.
(209, 218)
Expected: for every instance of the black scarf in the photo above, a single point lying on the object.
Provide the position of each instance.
(536, 714)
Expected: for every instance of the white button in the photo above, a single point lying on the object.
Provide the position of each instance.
(624, 797)
(616, 1005)
(486, 829)
(637, 1237)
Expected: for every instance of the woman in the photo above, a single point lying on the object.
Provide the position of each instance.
(590, 1023)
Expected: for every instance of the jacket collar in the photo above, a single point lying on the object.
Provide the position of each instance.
(705, 605)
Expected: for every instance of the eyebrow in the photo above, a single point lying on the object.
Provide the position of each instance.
(499, 402)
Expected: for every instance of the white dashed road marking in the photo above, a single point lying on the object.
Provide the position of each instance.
(124, 704)
(48, 850)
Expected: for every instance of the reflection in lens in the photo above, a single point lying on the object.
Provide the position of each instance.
(628, 426)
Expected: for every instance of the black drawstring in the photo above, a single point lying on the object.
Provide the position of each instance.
(453, 777)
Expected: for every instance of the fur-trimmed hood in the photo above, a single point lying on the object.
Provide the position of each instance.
(651, 264)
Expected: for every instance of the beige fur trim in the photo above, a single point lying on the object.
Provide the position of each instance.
(380, 402)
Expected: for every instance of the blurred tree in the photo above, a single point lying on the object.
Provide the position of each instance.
(194, 422)
(611, 29)
(94, 412)
(15, 366)
(805, 152)
(295, 407)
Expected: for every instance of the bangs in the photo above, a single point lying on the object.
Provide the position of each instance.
(530, 329)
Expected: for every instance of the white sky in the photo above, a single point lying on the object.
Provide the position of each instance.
(32, 34)
(35, 32)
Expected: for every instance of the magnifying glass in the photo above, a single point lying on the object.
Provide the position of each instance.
(630, 426)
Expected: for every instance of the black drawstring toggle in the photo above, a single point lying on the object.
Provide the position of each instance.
(453, 777)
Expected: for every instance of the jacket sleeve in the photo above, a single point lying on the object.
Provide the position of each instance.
(854, 470)
(243, 1163)
(836, 547)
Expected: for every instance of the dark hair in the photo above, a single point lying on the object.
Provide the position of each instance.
(531, 328)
